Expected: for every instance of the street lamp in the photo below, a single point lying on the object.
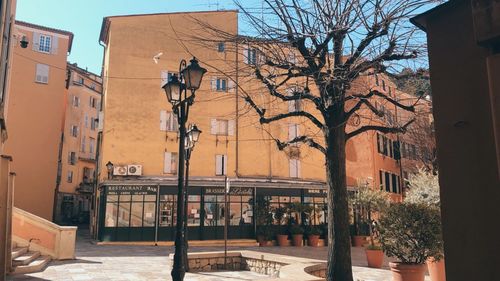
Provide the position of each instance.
(109, 167)
(181, 99)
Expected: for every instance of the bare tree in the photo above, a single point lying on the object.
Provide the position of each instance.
(320, 53)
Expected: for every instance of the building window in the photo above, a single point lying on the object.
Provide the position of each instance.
(220, 165)
(221, 85)
(251, 56)
(72, 158)
(222, 127)
(93, 122)
(45, 43)
(76, 101)
(91, 145)
(389, 182)
(221, 47)
(74, 131)
(80, 80)
(87, 175)
(170, 163)
(93, 102)
(42, 73)
(82, 149)
(294, 165)
(69, 179)
(168, 121)
(383, 84)
(86, 120)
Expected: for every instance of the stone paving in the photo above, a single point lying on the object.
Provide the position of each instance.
(117, 263)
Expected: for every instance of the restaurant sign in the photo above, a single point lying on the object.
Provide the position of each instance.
(132, 189)
(232, 190)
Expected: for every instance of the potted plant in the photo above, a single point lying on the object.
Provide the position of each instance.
(264, 218)
(411, 233)
(423, 187)
(297, 233)
(282, 235)
(313, 233)
(367, 202)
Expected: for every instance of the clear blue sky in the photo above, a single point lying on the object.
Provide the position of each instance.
(84, 19)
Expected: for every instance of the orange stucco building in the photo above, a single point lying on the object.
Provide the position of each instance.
(77, 156)
(136, 200)
(36, 113)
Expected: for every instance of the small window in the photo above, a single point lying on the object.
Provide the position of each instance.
(251, 56)
(45, 43)
(221, 85)
(72, 158)
(93, 123)
(220, 165)
(93, 102)
(170, 163)
(82, 148)
(221, 47)
(74, 131)
(76, 101)
(42, 73)
(70, 177)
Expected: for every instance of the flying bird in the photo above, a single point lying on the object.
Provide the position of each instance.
(157, 57)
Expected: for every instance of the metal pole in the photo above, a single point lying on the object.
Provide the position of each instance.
(185, 255)
(226, 216)
(179, 269)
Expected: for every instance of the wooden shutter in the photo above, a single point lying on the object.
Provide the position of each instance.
(292, 131)
(213, 126)
(163, 120)
(293, 168)
(167, 163)
(218, 165)
(224, 164)
(101, 121)
(297, 161)
(230, 127)
(213, 83)
(164, 77)
(231, 85)
(245, 55)
(36, 41)
(54, 45)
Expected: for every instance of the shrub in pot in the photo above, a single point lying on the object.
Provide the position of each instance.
(297, 233)
(411, 233)
(264, 236)
(424, 189)
(313, 234)
(264, 218)
(282, 235)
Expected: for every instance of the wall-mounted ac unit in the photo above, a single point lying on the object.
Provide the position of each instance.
(120, 171)
(134, 170)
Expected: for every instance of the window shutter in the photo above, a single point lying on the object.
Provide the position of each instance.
(101, 121)
(213, 126)
(293, 167)
(54, 46)
(167, 163)
(231, 85)
(213, 83)
(292, 131)
(218, 165)
(381, 178)
(36, 41)
(298, 167)
(163, 120)
(230, 127)
(164, 77)
(224, 164)
(245, 55)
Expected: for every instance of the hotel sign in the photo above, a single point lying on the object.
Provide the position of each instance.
(132, 189)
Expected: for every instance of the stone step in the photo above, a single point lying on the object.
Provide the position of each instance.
(35, 266)
(25, 259)
(19, 251)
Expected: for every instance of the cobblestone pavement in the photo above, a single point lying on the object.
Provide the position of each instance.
(116, 263)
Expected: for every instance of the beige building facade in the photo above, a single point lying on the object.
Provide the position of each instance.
(139, 132)
(36, 109)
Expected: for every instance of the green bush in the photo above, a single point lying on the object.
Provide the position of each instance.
(313, 230)
(266, 232)
(295, 229)
(411, 232)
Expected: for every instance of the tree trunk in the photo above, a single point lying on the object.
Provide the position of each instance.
(339, 246)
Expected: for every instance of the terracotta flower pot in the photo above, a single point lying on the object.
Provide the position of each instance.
(297, 240)
(436, 269)
(407, 272)
(262, 240)
(282, 239)
(375, 258)
(313, 240)
(358, 240)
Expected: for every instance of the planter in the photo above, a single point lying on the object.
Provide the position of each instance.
(407, 272)
(436, 269)
(375, 258)
(313, 240)
(282, 239)
(358, 240)
(297, 239)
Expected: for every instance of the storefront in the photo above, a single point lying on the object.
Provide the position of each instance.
(148, 212)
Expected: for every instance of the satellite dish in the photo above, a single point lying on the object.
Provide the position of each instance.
(156, 58)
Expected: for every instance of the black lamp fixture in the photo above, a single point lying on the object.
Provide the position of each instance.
(193, 74)
(109, 167)
(173, 90)
(24, 42)
(194, 134)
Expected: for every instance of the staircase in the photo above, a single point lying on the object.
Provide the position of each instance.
(25, 261)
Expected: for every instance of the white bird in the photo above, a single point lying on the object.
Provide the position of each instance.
(157, 57)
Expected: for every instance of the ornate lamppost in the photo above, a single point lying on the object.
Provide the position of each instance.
(180, 93)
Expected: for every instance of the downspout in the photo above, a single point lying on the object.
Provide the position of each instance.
(237, 106)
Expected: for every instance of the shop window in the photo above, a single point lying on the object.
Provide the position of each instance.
(214, 210)
(168, 210)
(111, 211)
(124, 211)
(149, 211)
(194, 210)
(136, 211)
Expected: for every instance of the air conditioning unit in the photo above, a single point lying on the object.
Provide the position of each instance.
(120, 171)
(134, 170)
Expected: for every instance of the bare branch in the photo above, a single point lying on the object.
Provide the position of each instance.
(302, 139)
(382, 129)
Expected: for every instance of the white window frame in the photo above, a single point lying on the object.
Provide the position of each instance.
(42, 46)
(74, 131)
(42, 73)
(221, 84)
(222, 127)
(69, 176)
